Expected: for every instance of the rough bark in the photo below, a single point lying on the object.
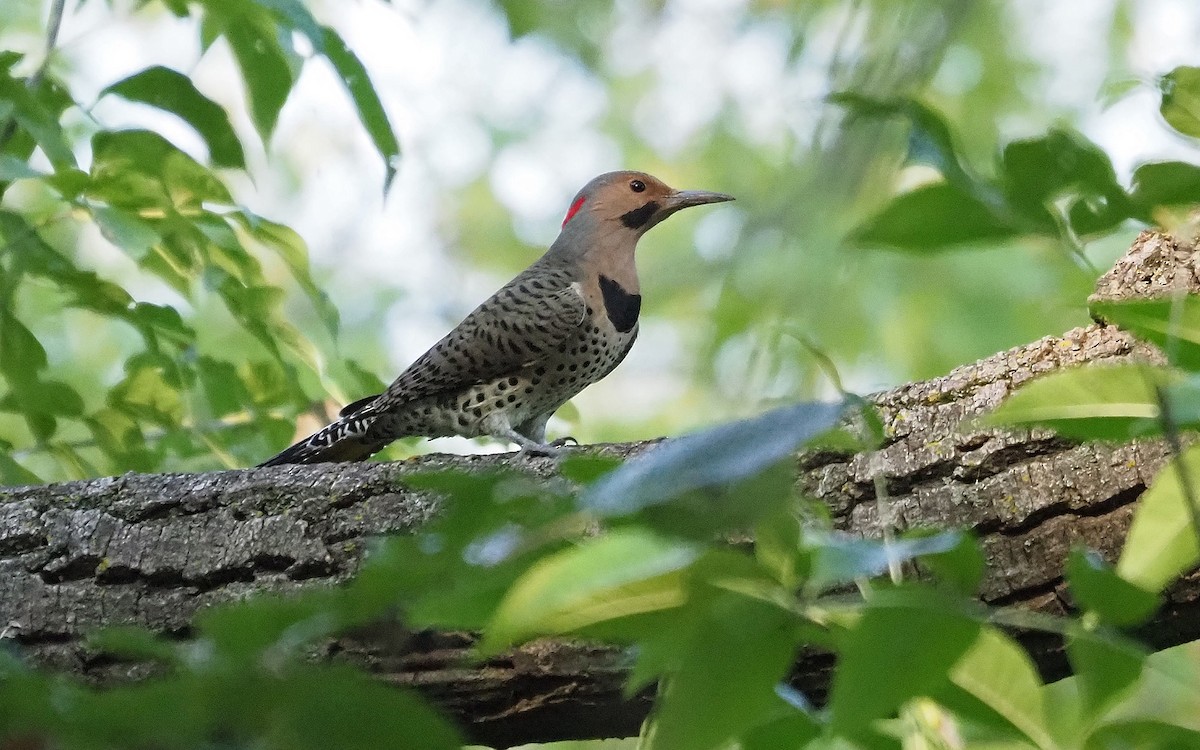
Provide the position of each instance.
(151, 550)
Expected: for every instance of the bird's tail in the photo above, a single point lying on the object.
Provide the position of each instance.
(344, 440)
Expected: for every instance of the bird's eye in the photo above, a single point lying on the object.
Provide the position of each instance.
(637, 186)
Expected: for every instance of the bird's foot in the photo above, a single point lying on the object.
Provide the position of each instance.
(552, 449)
(545, 450)
(532, 447)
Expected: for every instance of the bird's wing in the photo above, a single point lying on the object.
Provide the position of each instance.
(531, 316)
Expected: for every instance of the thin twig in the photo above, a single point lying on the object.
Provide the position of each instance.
(824, 362)
(1073, 245)
(886, 517)
(875, 464)
(53, 26)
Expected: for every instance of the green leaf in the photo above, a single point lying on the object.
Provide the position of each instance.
(1105, 667)
(726, 682)
(739, 506)
(162, 322)
(145, 393)
(120, 438)
(138, 169)
(69, 183)
(487, 534)
(264, 64)
(12, 168)
(1144, 734)
(792, 730)
(522, 18)
(247, 443)
(35, 255)
(48, 397)
(318, 709)
(1063, 165)
(42, 425)
(271, 384)
(998, 673)
(293, 14)
(718, 579)
(777, 547)
(226, 251)
(87, 290)
(175, 260)
(126, 231)
(929, 139)
(709, 458)
(1098, 402)
(31, 702)
(133, 643)
(21, 354)
(283, 626)
(836, 557)
(1167, 183)
(118, 716)
(1116, 88)
(366, 101)
(914, 637)
(174, 92)
(1181, 100)
(1173, 323)
(931, 142)
(210, 24)
(12, 473)
(290, 247)
(960, 565)
(363, 380)
(1167, 693)
(1100, 590)
(223, 388)
(1182, 400)
(562, 22)
(41, 123)
(625, 572)
(256, 308)
(934, 217)
(1161, 543)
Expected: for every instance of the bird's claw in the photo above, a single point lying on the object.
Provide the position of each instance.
(548, 450)
(551, 449)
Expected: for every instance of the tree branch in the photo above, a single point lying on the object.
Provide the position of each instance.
(151, 550)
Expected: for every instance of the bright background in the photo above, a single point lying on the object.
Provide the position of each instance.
(499, 128)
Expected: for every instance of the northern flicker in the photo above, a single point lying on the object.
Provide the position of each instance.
(562, 324)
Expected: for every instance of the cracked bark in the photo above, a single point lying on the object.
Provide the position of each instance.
(151, 550)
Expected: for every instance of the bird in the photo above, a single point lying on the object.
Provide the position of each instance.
(562, 324)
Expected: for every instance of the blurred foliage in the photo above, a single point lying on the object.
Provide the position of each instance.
(97, 381)
(218, 377)
(176, 403)
(220, 373)
(717, 627)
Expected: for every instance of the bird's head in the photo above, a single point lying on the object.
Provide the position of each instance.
(628, 203)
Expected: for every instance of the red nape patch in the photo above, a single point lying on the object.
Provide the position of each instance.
(574, 209)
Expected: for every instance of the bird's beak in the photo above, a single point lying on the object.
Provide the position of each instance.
(686, 198)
